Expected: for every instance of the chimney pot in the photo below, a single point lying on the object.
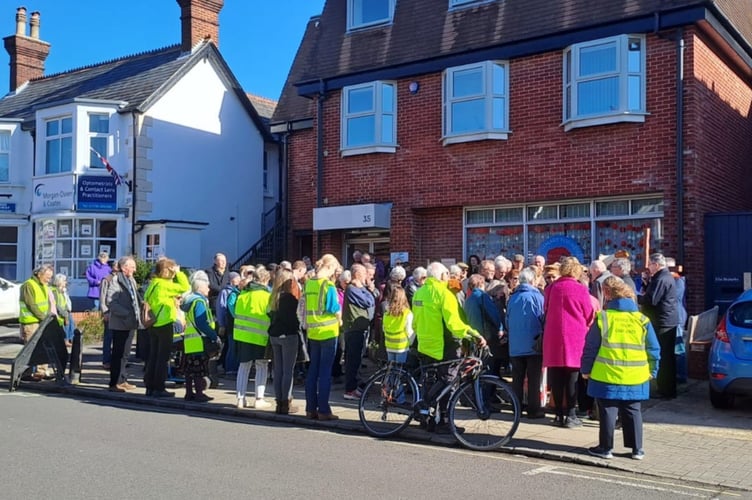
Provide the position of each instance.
(34, 25)
(21, 21)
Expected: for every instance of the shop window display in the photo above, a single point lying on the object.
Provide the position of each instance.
(70, 245)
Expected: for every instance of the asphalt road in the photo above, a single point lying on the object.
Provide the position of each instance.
(55, 446)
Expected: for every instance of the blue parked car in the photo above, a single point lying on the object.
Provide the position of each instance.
(730, 364)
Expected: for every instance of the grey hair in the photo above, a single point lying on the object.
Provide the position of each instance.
(42, 268)
(455, 270)
(527, 275)
(436, 269)
(598, 265)
(60, 278)
(123, 260)
(622, 264)
(197, 279)
(346, 276)
(397, 273)
(658, 258)
(419, 273)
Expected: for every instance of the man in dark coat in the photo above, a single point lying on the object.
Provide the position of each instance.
(659, 302)
(218, 279)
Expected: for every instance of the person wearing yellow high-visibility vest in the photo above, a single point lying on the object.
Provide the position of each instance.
(439, 328)
(168, 284)
(251, 334)
(36, 303)
(323, 317)
(199, 323)
(620, 357)
(398, 326)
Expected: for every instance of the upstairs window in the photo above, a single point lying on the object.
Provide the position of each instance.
(362, 13)
(369, 118)
(604, 82)
(58, 145)
(99, 134)
(476, 102)
(4, 156)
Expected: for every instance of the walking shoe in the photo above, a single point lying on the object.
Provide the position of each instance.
(241, 404)
(202, 398)
(638, 454)
(572, 422)
(536, 414)
(327, 416)
(599, 452)
(260, 404)
(116, 388)
(352, 395)
(558, 421)
(189, 396)
(125, 386)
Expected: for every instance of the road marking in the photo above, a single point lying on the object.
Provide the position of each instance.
(664, 487)
(645, 482)
(21, 394)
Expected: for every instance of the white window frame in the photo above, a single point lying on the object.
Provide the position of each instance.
(100, 135)
(488, 133)
(5, 137)
(59, 136)
(353, 25)
(378, 145)
(571, 63)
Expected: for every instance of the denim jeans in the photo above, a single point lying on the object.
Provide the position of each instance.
(69, 328)
(319, 379)
(397, 357)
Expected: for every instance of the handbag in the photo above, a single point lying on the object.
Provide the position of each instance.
(148, 318)
(212, 348)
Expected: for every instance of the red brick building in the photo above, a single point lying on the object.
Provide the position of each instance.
(453, 128)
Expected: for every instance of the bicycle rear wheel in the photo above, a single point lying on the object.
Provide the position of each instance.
(486, 422)
(386, 405)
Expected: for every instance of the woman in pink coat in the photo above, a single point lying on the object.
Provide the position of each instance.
(569, 313)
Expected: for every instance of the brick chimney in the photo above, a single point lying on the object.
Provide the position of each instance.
(27, 53)
(199, 20)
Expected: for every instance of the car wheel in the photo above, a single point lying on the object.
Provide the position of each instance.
(720, 400)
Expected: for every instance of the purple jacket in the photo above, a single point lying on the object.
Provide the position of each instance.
(95, 273)
(569, 313)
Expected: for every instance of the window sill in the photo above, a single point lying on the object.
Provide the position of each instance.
(368, 150)
(479, 136)
(605, 120)
(268, 194)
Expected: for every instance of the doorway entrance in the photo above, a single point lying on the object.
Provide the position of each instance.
(376, 244)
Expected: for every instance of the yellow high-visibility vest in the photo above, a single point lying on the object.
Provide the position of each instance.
(41, 299)
(251, 320)
(193, 342)
(321, 325)
(622, 358)
(395, 332)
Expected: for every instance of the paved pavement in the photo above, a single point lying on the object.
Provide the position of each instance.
(685, 439)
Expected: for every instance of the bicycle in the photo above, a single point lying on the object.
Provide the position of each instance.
(483, 412)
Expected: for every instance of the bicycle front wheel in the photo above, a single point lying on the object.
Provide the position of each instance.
(487, 420)
(386, 405)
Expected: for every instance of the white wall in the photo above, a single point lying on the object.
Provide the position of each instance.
(207, 164)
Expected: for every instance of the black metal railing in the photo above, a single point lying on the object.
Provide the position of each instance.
(270, 247)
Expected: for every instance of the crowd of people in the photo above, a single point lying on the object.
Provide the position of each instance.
(593, 335)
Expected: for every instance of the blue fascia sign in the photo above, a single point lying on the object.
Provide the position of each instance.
(96, 193)
(7, 208)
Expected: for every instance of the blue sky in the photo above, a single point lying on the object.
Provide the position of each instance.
(258, 38)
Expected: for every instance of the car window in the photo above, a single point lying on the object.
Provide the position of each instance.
(741, 314)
